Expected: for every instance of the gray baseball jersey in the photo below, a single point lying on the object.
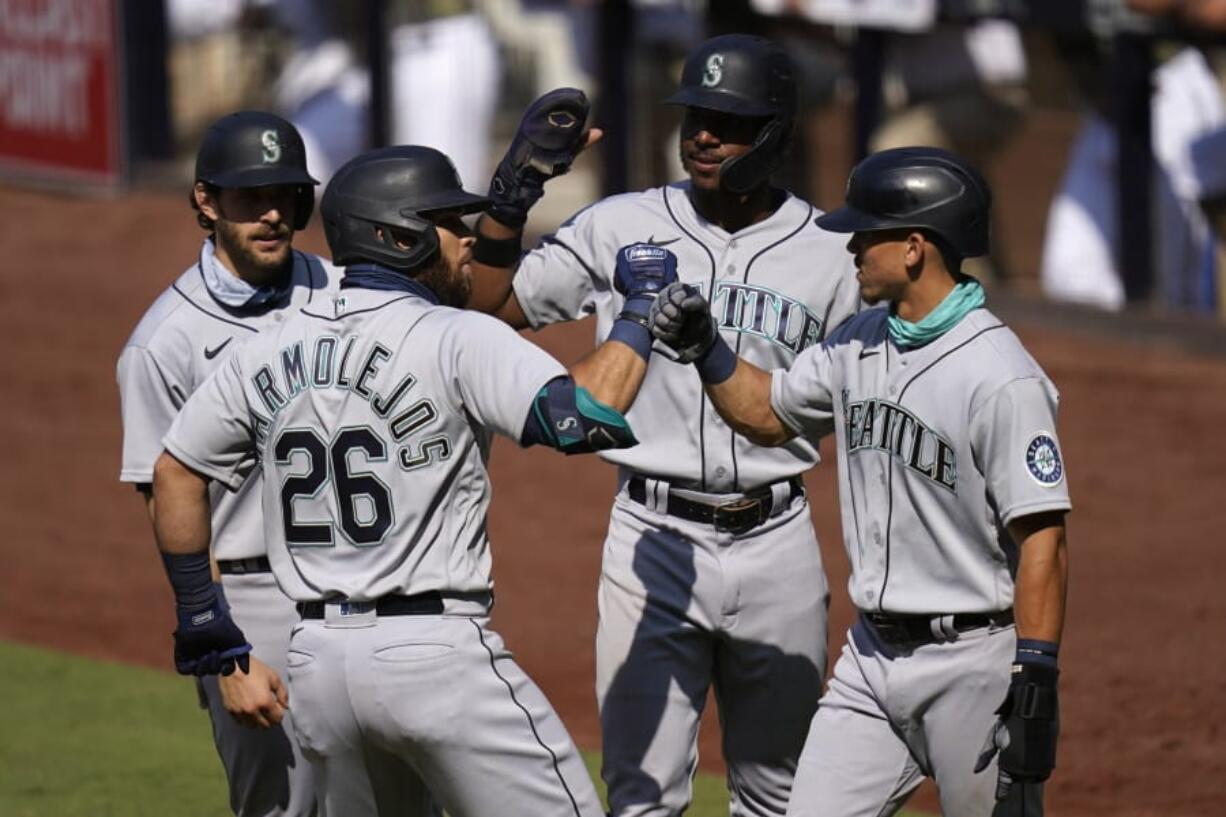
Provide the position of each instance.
(929, 480)
(187, 333)
(674, 595)
(372, 418)
(776, 288)
(181, 339)
(940, 447)
(373, 443)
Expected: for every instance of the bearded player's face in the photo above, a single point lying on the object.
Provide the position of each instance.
(254, 229)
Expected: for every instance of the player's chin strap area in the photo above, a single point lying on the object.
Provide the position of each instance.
(566, 417)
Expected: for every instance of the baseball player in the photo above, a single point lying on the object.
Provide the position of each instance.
(371, 416)
(711, 572)
(252, 192)
(953, 494)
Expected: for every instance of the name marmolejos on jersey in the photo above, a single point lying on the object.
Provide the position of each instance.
(759, 311)
(329, 365)
(883, 426)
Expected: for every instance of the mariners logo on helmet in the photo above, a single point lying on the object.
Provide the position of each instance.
(272, 147)
(1043, 460)
(714, 73)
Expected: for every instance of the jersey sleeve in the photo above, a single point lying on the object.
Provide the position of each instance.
(214, 433)
(150, 395)
(846, 303)
(561, 278)
(801, 395)
(1013, 439)
(496, 373)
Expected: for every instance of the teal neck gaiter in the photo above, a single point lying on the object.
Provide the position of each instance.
(966, 295)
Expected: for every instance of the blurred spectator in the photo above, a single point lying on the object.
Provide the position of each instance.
(1080, 253)
(324, 86)
(961, 88)
(445, 81)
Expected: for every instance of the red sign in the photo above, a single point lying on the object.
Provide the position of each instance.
(59, 90)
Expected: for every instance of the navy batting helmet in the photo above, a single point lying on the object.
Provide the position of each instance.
(399, 188)
(923, 187)
(253, 149)
(748, 76)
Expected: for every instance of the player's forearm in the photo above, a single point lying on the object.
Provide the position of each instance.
(1042, 576)
(181, 519)
(743, 400)
(612, 373)
(491, 284)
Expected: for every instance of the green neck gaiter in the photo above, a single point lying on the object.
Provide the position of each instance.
(966, 295)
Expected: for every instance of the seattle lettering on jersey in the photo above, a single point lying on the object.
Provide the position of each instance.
(331, 364)
(882, 426)
(759, 311)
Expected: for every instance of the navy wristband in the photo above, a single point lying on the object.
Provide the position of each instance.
(498, 252)
(192, 579)
(718, 364)
(1034, 651)
(628, 330)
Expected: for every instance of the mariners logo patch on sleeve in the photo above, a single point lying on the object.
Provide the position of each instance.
(1043, 459)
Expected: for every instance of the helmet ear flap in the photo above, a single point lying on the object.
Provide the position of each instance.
(304, 205)
(745, 172)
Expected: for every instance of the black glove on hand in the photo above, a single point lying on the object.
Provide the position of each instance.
(550, 136)
(1025, 736)
(681, 319)
(208, 642)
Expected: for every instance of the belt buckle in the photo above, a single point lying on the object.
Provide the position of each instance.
(355, 608)
(737, 516)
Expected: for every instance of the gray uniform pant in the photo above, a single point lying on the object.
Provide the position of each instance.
(892, 716)
(684, 606)
(393, 709)
(264, 767)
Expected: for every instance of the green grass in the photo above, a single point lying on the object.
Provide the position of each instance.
(82, 738)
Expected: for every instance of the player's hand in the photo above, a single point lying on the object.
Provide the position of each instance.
(1025, 733)
(257, 698)
(549, 137)
(643, 269)
(681, 319)
(208, 642)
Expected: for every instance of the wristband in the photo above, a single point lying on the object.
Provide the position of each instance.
(632, 326)
(192, 580)
(716, 364)
(1034, 651)
(497, 252)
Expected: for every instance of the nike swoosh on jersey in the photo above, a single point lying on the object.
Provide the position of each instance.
(209, 354)
(869, 353)
(652, 241)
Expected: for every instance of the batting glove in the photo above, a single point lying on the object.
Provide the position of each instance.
(681, 319)
(208, 642)
(549, 137)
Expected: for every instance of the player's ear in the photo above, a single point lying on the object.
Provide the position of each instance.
(206, 201)
(913, 251)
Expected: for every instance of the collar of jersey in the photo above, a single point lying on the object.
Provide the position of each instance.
(966, 295)
(231, 290)
(376, 276)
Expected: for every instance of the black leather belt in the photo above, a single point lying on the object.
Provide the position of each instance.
(418, 604)
(898, 629)
(734, 516)
(240, 567)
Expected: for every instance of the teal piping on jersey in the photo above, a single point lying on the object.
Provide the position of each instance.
(967, 295)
